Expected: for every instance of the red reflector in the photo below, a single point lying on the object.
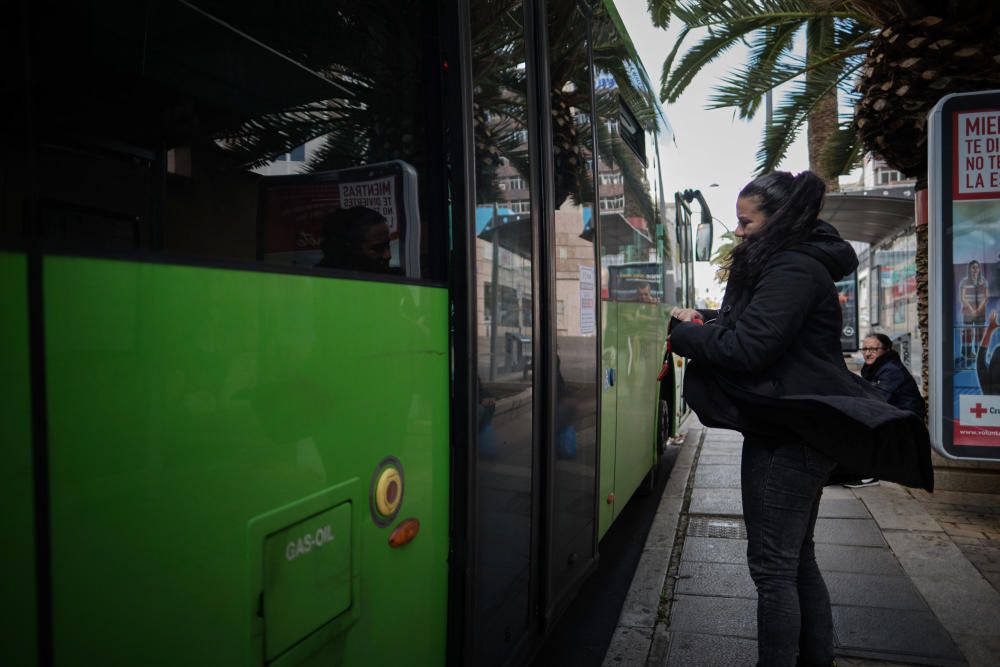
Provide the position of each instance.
(404, 533)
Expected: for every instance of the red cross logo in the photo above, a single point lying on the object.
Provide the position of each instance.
(979, 410)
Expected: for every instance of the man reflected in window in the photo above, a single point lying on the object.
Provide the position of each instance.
(356, 239)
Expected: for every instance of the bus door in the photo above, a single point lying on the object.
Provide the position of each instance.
(532, 523)
(571, 280)
(498, 619)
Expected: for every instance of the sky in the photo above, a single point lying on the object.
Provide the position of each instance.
(713, 146)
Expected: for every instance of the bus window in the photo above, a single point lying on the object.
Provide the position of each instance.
(627, 177)
(216, 130)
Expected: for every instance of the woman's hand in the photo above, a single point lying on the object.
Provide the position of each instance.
(685, 314)
(993, 321)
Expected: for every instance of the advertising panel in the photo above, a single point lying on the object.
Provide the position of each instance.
(964, 196)
(847, 294)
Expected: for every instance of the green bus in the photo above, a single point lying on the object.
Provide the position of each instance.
(309, 355)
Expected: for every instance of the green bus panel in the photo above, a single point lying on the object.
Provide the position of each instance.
(17, 585)
(184, 403)
(632, 345)
(609, 417)
(640, 357)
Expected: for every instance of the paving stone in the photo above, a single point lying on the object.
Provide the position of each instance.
(664, 528)
(863, 560)
(843, 509)
(979, 651)
(717, 477)
(726, 502)
(895, 633)
(956, 498)
(723, 433)
(958, 594)
(986, 558)
(719, 579)
(714, 550)
(894, 509)
(843, 661)
(856, 532)
(629, 647)
(643, 599)
(715, 446)
(963, 608)
(837, 492)
(965, 530)
(868, 590)
(719, 459)
(736, 617)
(722, 449)
(694, 650)
(929, 554)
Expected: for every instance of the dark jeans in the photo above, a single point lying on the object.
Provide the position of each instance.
(782, 484)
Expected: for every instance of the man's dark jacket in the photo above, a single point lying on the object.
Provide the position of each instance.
(891, 379)
(769, 364)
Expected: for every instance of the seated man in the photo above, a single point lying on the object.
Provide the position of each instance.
(885, 370)
(356, 239)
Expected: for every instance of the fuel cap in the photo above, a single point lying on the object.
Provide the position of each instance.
(386, 495)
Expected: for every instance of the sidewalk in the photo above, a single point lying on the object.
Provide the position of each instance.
(912, 576)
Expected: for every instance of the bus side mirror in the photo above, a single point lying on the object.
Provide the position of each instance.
(703, 243)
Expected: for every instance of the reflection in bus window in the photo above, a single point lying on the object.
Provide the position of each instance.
(356, 239)
(504, 338)
(635, 282)
(188, 120)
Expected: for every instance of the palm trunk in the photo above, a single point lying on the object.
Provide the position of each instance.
(822, 125)
(822, 119)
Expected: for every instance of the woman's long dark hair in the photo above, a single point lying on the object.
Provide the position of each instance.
(791, 206)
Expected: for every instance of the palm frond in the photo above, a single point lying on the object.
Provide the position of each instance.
(843, 150)
(668, 64)
(713, 44)
(661, 11)
(793, 111)
(716, 13)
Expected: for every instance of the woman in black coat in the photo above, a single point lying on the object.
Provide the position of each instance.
(769, 364)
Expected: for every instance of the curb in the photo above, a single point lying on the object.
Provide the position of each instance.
(634, 635)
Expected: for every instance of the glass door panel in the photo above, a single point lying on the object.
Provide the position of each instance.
(505, 503)
(571, 539)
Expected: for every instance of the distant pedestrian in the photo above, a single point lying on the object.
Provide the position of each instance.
(769, 364)
(885, 370)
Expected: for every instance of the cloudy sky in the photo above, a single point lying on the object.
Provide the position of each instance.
(712, 146)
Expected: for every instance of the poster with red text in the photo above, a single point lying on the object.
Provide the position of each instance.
(964, 174)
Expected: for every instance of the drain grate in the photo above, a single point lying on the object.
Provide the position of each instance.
(716, 526)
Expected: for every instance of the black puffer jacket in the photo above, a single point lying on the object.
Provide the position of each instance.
(770, 364)
(891, 379)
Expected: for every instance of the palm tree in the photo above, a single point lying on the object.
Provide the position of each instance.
(891, 59)
(835, 50)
